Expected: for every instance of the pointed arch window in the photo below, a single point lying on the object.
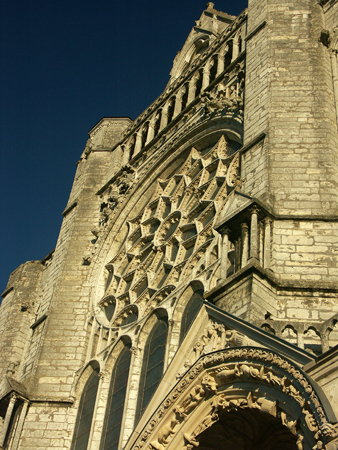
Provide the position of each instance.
(153, 364)
(116, 399)
(190, 312)
(85, 413)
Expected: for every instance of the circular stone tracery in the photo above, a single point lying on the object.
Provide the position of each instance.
(172, 239)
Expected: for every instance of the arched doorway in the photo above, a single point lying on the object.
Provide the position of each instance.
(245, 430)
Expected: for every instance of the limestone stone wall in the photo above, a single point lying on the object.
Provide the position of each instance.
(305, 251)
(302, 129)
(330, 9)
(16, 311)
(67, 319)
(48, 427)
(275, 276)
(255, 174)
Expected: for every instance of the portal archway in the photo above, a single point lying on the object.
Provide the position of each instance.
(243, 398)
(247, 429)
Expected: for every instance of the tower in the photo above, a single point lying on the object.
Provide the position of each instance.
(191, 297)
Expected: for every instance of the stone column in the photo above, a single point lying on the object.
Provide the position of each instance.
(125, 157)
(254, 235)
(164, 117)
(235, 47)
(238, 254)
(91, 339)
(192, 88)
(131, 395)
(138, 144)
(8, 416)
(224, 253)
(261, 243)
(267, 242)
(19, 427)
(100, 341)
(151, 129)
(169, 352)
(221, 57)
(300, 339)
(325, 337)
(206, 75)
(335, 79)
(245, 244)
(178, 102)
(220, 64)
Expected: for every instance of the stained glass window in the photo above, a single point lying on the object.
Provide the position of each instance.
(190, 312)
(85, 413)
(115, 403)
(153, 363)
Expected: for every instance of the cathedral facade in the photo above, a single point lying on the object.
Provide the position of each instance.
(192, 297)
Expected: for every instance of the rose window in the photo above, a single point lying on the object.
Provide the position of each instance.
(172, 239)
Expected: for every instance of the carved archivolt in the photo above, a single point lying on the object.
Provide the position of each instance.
(214, 337)
(235, 380)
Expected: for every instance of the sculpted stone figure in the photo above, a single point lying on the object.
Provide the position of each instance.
(329, 430)
(195, 396)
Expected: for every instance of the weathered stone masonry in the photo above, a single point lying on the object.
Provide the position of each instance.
(191, 299)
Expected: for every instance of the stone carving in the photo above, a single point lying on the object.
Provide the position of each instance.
(126, 179)
(299, 442)
(290, 424)
(233, 175)
(166, 431)
(12, 368)
(114, 195)
(329, 430)
(245, 370)
(253, 357)
(215, 336)
(194, 397)
(318, 446)
(86, 260)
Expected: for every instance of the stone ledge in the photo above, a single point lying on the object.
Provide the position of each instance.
(255, 31)
(253, 142)
(68, 209)
(7, 291)
(269, 276)
(38, 321)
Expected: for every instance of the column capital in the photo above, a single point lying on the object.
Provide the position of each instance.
(254, 209)
(225, 230)
(13, 397)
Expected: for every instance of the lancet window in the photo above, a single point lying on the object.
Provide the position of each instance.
(86, 412)
(153, 364)
(190, 312)
(116, 400)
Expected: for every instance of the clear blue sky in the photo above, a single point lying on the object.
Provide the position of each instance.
(65, 65)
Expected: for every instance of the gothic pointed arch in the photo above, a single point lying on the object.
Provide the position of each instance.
(85, 414)
(153, 363)
(190, 312)
(250, 389)
(116, 400)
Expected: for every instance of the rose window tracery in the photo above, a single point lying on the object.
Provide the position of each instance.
(172, 239)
